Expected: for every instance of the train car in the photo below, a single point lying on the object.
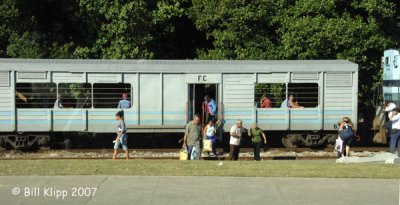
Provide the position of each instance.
(165, 94)
(391, 75)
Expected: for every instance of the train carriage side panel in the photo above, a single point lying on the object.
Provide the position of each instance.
(101, 119)
(33, 118)
(340, 98)
(174, 100)
(150, 106)
(310, 117)
(7, 101)
(273, 118)
(238, 99)
(69, 119)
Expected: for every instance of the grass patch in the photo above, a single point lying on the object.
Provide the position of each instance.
(320, 169)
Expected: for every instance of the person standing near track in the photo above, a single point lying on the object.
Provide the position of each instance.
(346, 134)
(255, 133)
(236, 136)
(192, 137)
(122, 137)
(395, 131)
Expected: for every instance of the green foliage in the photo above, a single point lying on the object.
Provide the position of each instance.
(124, 28)
(24, 46)
(239, 29)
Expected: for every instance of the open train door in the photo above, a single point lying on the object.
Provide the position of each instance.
(198, 87)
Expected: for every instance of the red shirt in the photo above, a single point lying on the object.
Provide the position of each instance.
(266, 103)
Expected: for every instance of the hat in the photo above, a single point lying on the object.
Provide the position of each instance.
(125, 95)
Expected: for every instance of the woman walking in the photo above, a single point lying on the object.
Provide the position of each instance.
(209, 132)
(346, 133)
(121, 136)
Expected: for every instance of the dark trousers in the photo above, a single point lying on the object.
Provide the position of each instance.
(394, 139)
(214, 144)
(256, 147)
(234, 152)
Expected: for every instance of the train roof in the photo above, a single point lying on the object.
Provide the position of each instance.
(176, 66)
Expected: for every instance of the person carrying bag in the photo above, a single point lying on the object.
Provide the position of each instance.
(346, 133)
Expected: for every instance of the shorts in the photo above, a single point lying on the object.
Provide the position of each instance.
(347, 142)
(122, 141)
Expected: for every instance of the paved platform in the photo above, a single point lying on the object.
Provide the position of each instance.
(139, 190)
(386, 157)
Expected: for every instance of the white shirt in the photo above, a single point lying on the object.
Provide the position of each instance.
(210, 131)
(234, 140)
(395, 122)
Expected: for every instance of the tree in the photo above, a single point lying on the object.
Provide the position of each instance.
(121, 28)
(238, 29)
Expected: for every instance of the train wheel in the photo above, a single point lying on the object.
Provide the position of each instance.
(331, 140)
(289, 141)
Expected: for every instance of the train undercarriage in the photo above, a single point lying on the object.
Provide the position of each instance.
(64, 140)
(293, 140)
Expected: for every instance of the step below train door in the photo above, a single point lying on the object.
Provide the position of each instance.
(199, 87)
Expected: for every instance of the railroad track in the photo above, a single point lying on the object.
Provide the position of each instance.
(103, 154)
(167, 150)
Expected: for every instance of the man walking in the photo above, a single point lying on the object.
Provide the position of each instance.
(193, 136)
(236, 135)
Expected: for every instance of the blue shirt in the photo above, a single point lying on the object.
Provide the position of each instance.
(285, 104)
(212, 106)
(124, 104)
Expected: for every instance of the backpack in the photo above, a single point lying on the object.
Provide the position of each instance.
(346, 133)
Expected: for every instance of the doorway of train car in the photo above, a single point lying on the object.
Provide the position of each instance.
(196, 101)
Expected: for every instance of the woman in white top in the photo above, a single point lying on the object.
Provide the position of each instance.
(209, 132)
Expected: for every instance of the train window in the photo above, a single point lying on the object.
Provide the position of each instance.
(35, 95)
(74, 95)
(108, 95)
(387, 61)
(396, 61)
(269, 95)
(305, 94)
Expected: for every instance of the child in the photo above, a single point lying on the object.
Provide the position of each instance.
(121, 135)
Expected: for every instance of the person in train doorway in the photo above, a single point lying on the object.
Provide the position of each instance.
(395, 131)
(191, 140)
(124, 103)
(235, 139)
(255, 133)
(210, 108)
(346, 134)
(122, 137)
(209, 132)
(265, 102)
